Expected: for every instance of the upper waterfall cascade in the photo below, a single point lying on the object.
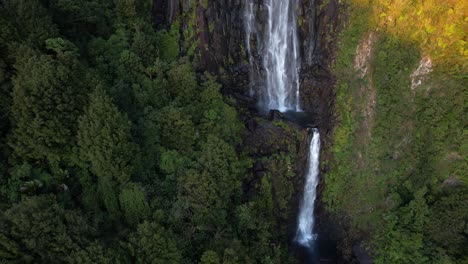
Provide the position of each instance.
(305, 230)
(278, 46)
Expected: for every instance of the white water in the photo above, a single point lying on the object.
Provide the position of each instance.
(249, 23)
(278, 46)
(279, 49)
(305, 230)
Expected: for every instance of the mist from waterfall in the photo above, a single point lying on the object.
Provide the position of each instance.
(305, 229)
(278, 47)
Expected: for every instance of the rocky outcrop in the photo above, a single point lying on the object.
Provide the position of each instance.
(421, 74)
(279, 149)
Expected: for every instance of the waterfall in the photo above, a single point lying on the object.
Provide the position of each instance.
(305, 230)
(279, 50)
(249, 21)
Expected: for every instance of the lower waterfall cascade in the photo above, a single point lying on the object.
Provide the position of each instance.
(305, 229)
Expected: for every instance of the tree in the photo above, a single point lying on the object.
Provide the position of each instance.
(183, 82)
(48, 96)
(177, 129)
(133, 203)
(126, 11)
(81, 19)
(211, 188)
(31, 21)
(105, 143)
(449, 212)
(169, 43)
(217, 117)
(94, 253)
(152, 243)
(25, 180)
(210, 257)
(105, 139)
(39, 230)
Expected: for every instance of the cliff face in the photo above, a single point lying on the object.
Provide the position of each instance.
(220, 49)
(219, 36)
(319, 23)
(220, 46)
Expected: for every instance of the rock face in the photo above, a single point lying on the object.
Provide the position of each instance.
(219, 36)
(275, 115)
(278, 147)
(220, 45)
(320, 21)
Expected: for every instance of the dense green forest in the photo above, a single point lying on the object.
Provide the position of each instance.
(399, 174)
(114, 149)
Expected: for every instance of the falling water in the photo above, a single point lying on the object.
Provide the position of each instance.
(305, 230)
(279, 50)
(249, 21)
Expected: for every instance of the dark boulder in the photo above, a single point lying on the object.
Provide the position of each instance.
(275, 115)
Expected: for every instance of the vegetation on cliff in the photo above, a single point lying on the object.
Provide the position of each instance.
(398, 176)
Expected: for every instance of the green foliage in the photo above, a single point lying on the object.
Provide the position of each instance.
(133, 204)
(152, 243)
(169, 43)
(31, 21)
(217, 116)
(451, 212)
(80, 19)
(94, 253)
(126, 11)
(24, 179)
(105, 139)
(105, 143)
(395, 145)
(177, 129)
(61, 46)
(213, 185)
(48, 96)
(210, 257)
(114, 149)
(171, 162)
(38, 229)
(183, 83)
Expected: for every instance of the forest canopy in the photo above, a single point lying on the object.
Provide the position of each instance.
(114, 147)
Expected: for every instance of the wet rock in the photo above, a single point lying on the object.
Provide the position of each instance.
(268, 138)
(318, 97)
(164, 12)
(275, 115)
(251, 125)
